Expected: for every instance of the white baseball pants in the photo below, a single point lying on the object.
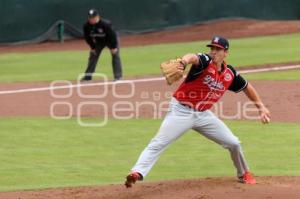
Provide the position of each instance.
(179, 120)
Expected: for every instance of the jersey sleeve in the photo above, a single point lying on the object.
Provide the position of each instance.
(87, 37)
(196, 70)
(239, 83)
(111, 35)
(204, 60)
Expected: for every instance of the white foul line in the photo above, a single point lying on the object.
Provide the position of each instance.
(27, 90)
(278, 68)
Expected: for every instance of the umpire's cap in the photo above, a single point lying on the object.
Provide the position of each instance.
(219, 42)
(93, 13)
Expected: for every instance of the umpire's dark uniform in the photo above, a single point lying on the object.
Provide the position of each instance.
(98, 33)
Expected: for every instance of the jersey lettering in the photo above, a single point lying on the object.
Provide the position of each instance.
(206, 89)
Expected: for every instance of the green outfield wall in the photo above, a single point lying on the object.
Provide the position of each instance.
(36, 20)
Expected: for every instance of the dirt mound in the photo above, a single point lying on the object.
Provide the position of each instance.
(208, 188)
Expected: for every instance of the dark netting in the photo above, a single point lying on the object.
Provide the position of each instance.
(37, 21)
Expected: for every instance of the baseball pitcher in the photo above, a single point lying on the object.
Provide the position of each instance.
(208, 79)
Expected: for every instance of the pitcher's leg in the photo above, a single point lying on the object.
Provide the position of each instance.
(173, 126)
(214, 129)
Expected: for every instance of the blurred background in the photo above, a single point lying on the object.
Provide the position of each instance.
(36, 21)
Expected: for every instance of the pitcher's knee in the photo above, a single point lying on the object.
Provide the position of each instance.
(233, 145)
(156, 144)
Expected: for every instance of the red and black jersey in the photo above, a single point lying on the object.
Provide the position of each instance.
(205, 85)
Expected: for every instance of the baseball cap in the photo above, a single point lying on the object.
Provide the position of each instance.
(220, 42)
(93, 13)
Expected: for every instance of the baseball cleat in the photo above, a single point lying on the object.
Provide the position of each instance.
(86, 78)
(118, 79)
(247, 178)
(132, 178)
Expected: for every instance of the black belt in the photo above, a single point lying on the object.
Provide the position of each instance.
(189, 106)
(186, 105)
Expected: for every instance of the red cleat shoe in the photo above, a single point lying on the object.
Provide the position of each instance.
(132, 178)
(247, 178)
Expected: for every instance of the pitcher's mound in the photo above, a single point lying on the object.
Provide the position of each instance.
(208, 188)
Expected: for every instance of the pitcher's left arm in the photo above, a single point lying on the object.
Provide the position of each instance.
(252, 94)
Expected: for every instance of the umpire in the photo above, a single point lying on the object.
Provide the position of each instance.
(99, 34)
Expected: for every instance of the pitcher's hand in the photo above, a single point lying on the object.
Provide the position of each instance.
(114, 50)
(265, 115)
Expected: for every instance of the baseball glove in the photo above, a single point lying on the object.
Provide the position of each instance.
(173, 70)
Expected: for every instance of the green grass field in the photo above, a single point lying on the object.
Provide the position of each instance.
(45, 153)
(278, 75)
(41, 152)
(143, 60)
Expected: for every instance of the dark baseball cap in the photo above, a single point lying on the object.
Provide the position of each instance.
(220, 42)
(93, 13)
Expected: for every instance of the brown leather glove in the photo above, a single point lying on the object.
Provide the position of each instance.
(173, 70)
